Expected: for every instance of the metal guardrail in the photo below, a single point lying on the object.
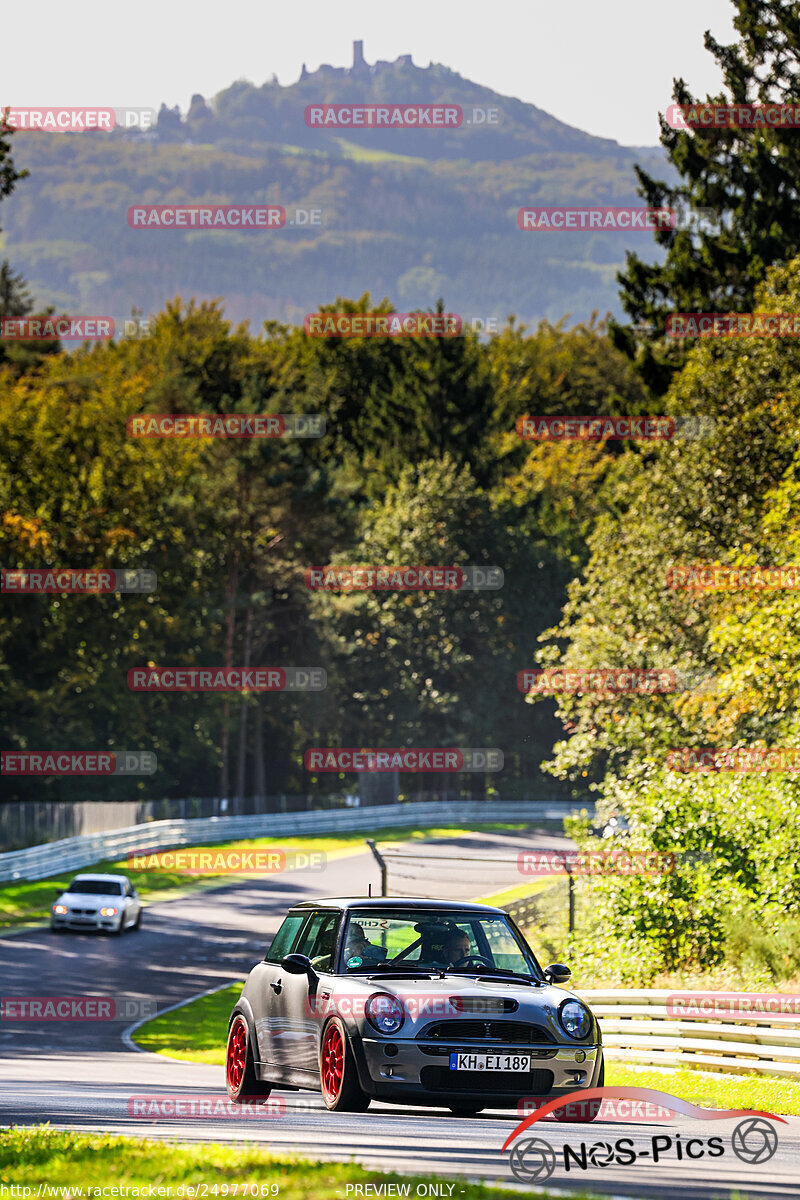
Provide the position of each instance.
(70, 854)
(638, 1027)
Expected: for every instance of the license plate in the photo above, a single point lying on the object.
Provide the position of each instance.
(490, 1062)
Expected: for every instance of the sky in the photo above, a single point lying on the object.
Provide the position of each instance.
(606, 68)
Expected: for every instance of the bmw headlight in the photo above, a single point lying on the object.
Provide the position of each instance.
(384, 1012)
(60, 909)
(108, 912)
(575, 1018)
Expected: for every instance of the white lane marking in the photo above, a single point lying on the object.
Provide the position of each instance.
(127, 1037)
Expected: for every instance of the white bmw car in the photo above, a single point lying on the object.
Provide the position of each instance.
(108, 902)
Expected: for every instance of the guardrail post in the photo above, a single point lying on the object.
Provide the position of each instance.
(380, 860)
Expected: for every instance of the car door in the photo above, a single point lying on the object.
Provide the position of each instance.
(266, 981)
(294, 1025)
(131, 903)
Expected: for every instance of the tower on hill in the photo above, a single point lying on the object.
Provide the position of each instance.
(358, 56)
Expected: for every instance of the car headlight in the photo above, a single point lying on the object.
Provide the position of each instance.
(384, 1012)
(61, 909)
(575, 1018)
(108, 912)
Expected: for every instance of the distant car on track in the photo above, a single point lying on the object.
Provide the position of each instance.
(108, 902)
(431, 1002)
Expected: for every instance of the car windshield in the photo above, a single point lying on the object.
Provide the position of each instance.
(96, 887)
(463, 942)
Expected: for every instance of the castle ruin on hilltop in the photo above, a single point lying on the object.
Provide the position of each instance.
(360, 65)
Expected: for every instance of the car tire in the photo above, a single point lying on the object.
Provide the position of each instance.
(137, 924)
(338, 1077)
(240, 1072)
(464, 1110)
(119, 929)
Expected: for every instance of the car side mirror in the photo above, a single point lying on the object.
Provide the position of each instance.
(297, 964)
(557, 973)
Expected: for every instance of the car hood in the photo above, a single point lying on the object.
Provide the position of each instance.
(460, 998)
(83, 899)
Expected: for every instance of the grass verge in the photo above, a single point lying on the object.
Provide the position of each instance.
(29, 900)
(30, 1156)
(196, 1032)
(711, 1090)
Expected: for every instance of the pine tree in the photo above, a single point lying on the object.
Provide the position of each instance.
(748, 177)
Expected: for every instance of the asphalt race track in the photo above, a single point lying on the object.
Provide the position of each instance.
(81, 1075)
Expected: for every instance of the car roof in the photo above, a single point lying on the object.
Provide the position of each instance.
(402, 903)
(103, 878)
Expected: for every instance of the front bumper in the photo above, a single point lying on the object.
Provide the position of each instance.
(415, 1076)
(74, 921)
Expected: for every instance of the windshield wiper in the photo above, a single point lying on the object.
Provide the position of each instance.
(378, 968)
(502, 972)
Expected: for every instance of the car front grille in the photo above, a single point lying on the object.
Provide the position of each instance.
(445, 1050)
(516, 1033)
(527, 1083)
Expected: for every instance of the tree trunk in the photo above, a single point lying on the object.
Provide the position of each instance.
(243, 711)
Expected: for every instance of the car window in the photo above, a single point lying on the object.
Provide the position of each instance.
(319, 938)
(284, 939)
(95, 887)
(428, 938)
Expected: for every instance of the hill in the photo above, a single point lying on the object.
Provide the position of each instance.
(412, 214)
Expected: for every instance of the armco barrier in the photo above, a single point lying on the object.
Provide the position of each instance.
(638, 1028)
(70, 854)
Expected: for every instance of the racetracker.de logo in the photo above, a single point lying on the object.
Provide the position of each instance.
(75, 1008)
(608, 1109)
(595, 862)
(742, 760)
(213, 1106)
(416, 324)
(77, 762)
(403, 579)
(56, 120)
(421, 1006)
(75, 580)
(225, 425)
(732, 325)
(550, 681)
(449, 759)
(207, 216)
(733, 1004)
(384, 116)
(263, 861)
(50, 328)
(705, 577)
(557, 218)
(595, 429)
(733, 116)
(227, 679)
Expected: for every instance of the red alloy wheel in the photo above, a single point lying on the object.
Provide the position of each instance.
(332, 1062)
(237, 1054)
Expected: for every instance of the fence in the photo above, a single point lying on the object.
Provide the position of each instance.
(32, 822)
(638, 1028)
(70, 854)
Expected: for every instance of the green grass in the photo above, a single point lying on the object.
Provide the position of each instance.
(712, 1090)
(365, 154)
(196, 1032)
(29, 901)
(520, 892)
(32, 1156)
